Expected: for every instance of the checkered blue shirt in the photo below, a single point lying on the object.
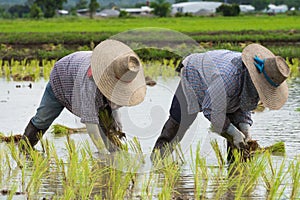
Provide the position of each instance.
(74, 88)
(212, 83)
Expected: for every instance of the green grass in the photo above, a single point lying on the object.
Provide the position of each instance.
(186, 24)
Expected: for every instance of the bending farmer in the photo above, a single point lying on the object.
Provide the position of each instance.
(87, 82)
(225, 86)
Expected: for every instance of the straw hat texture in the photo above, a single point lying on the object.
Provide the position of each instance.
(118, 73)
(270, 78)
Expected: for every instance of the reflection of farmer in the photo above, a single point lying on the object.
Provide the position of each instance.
(225, 86)
(87, 82)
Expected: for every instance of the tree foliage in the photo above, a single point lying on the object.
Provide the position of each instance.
(93, 6)
(19, 10)
(81, 4)
(36, 12)
(161, 8)
(50, 6)
(229, 9)
(180, 1)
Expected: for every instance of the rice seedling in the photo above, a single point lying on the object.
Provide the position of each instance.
(295, 176)
(148, 186)
(1, 68)
(15, 154)
(201, 176)
(6, 70)
(72, 172)
(171, 172)
(2, 164)
(10, 138)
(156, 69)
(273, 178)
(277, 148)
(294, 67)
(248, 176)
(218, 153)
(59, 129)
(39, 168)
(121, 173)
(47, 67)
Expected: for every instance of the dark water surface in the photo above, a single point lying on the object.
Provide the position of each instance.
(18, 104)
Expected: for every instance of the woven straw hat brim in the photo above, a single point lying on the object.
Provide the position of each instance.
(118, 92)
(271, 97)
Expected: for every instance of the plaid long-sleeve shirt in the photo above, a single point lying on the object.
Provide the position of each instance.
(212, 83)
(75, 89)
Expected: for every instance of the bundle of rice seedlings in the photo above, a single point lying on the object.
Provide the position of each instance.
(8, 139)
(277, 148)
(111, 130)
(63, 130)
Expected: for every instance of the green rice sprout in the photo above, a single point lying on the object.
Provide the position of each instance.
(295, 176)
(1, 67)
(278, 148)
(113, 134)
(40, 167)
(171, 172)
(273, 178)
(218, 152)
(7, 71)
(294, 67)
(200, 171)
(59, 129)
(15, 154)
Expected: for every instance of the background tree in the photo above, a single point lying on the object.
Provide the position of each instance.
(81, 4)
(180, 1)
(229, 9)
(19, 10)
(50, 6)
(93, 6)
(162, 8)
(260, 4)
(36, 12)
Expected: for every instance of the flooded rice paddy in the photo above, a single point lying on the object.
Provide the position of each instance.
(18, 103)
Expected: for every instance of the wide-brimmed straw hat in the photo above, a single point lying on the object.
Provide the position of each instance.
(268, 74)
(118, 73)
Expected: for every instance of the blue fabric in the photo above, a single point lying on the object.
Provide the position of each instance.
(260, 66)
(48, 110)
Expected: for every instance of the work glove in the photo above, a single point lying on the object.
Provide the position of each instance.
(117, 119)
(245, 128)
(238, 138)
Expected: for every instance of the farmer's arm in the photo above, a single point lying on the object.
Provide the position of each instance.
(242, 120)
(214, 104)
(214, 109)
(95, 133)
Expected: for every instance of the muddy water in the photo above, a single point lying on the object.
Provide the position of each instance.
(18, 103)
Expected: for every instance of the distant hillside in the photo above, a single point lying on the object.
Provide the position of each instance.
(73, 2)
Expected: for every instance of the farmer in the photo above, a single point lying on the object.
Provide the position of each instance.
(87, 82)
(225, 86)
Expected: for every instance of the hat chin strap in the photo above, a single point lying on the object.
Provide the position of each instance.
(260, 66)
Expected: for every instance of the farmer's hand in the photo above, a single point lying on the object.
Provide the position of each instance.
(237, 136)
(117, 119)
(245, 128)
